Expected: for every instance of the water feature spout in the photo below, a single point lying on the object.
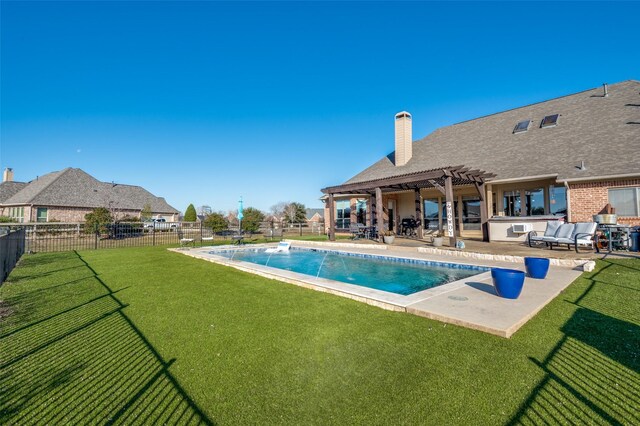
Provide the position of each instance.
(320, 268)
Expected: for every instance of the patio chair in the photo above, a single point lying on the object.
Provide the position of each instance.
(237, 239)
(357, 230)
(550, 231)
(185, 241)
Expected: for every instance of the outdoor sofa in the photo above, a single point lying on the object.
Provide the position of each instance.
(571, 234)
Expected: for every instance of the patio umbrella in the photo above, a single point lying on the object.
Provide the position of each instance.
(240, 215)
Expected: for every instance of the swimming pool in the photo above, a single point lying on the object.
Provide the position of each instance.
(394, 275)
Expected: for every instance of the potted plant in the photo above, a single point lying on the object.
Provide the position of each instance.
(437, 239)
(388, 237)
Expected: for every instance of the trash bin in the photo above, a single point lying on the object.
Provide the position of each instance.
(635, 239)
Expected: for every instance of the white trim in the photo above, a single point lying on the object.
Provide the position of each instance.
(522, 179)
(627, 175)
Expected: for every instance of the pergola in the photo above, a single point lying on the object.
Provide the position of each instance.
(443, 179)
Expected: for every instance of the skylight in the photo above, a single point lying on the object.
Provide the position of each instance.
(522, 126)
(549, 121)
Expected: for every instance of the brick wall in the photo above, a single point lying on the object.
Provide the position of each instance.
(589, 198)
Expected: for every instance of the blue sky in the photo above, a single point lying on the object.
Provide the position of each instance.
(202, 102)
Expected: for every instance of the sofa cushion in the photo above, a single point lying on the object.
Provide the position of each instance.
(565, 230)
(584, 228)
(552, 227)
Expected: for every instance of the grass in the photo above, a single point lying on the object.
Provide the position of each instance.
(143, 335)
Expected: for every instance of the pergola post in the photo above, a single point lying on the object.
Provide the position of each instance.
(332, 218)
(484, 225)
(451, 215)
(379, 213)
(418, 212)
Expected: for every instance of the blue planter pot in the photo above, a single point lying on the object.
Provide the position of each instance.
(537, 267)
(508, 282)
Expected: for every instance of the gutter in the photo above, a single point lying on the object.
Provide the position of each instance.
(581, 179)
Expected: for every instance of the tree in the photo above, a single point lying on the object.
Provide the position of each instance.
(252, 219)
(98, 218)
(278, 209)
(146, 212)
(190, 214)
(217, 222)
(296, 213)
(205, 210)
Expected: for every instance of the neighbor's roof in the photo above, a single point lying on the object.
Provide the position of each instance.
(75, 188)
(604, 132)
(9, 189)
(312, 212)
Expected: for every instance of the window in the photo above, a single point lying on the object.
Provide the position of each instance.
(558, 200)
(626, 201)
(522, 126)
(361, 211)
(343, 215)
(16, 214)
(41, 214)
(511, 203)
(471, 213)
(431, 207)
(549, 121)
(534, 202)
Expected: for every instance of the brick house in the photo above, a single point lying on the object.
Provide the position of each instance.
(314, 216)
(563, 158)
(68, 195)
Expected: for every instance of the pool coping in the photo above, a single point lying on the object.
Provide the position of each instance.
(447, 303)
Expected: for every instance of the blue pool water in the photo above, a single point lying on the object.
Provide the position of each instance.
(400, 276)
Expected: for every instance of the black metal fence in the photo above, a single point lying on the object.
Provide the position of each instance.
(12, 247)
(52, 237)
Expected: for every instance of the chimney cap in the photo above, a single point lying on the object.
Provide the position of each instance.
(402, 114)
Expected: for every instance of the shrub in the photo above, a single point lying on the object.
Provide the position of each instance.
(217, 222)
(98, 218)
(252, 219)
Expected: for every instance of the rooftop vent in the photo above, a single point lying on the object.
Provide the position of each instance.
(522, 126)
(606, 89)
(549, 121)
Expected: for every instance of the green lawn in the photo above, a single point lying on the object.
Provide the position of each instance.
(144, 335)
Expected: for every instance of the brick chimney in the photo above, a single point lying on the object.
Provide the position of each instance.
(403, 138)
(7, 175)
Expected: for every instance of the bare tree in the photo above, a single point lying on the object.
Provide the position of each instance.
(205, 210)
(278, 209)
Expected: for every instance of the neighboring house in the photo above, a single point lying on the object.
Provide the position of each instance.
(314, 216)
(565, 157)
(68, 195)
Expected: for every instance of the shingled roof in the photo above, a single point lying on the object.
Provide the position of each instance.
(75, 188)
(604, 132)
(9, 189)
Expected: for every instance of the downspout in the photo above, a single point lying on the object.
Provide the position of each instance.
(566, 185)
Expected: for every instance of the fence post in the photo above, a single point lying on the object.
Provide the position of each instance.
(300, 227)
(153, 230)
(96, 232)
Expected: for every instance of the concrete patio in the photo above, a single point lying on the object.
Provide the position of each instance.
(470, 303)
